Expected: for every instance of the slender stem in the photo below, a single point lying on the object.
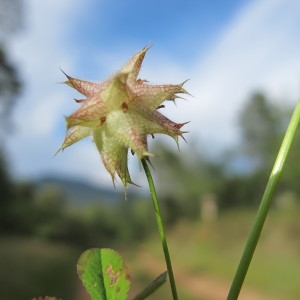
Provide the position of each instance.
(265, 205)
(161, 229)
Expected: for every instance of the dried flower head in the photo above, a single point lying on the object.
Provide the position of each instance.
(119, 113)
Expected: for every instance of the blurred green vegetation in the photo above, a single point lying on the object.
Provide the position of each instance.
(208, 205)
(31, 267)
(42, 236)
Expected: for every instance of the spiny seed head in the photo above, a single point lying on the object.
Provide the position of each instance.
(119, 113)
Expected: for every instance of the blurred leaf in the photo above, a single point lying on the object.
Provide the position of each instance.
(103, 274)
(152, 287)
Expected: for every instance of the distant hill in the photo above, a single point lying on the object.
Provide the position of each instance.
(80, 192)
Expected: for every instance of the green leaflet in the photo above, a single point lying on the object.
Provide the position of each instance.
(103, 274)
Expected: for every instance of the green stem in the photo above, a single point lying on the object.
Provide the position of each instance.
(265, 205)
(161, 229)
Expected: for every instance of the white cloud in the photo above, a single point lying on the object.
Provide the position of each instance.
(39, 51)
(259, 49)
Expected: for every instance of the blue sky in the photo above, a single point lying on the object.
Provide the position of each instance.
(227, 49)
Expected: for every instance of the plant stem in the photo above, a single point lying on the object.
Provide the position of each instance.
(161, 229)
(265, 205)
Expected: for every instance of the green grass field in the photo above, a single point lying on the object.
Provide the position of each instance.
(201, 253)
(213, 251)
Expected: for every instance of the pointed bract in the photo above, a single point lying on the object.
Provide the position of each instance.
(152, 96)
(119, 113)
(107, 145)
(84, 87)
(74, 135)
(133, 65)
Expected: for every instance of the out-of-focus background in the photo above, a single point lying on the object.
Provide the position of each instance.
(242, 59)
